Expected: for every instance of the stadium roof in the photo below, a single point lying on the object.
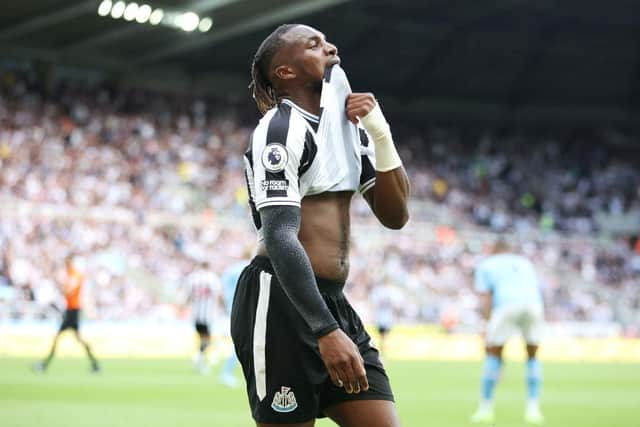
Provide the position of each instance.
(498, 61)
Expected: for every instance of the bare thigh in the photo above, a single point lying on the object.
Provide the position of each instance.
(364, 413)
(78, 336)
(495, 350)
(532, 349)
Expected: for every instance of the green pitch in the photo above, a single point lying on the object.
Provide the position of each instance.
(166, 393)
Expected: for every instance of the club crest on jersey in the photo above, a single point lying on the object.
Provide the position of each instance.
(274, 157)
(284, 400)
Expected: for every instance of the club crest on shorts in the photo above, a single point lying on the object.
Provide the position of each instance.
(275, 157)
(284, 400)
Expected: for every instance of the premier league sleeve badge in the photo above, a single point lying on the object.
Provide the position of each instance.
(275, 157)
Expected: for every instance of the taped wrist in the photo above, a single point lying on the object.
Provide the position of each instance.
(387, 157)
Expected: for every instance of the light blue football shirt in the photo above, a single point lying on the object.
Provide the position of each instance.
(511, 278)
(229, 281)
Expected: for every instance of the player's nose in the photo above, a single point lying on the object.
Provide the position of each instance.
(331, 49)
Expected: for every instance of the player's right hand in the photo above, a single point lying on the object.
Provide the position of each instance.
(343, 361)
(359, 105)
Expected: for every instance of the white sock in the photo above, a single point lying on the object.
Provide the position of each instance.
(486, 405)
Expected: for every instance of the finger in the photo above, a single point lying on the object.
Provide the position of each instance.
(363, 382)
(359, 108)
(360, 102)
(355, 97)
(349, 379)
(353, 118)
(335, 378)
(338, 382)
(358, 111)
(355, 371)
(354, 115)
(361, 376)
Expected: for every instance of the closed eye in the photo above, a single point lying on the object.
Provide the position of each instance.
(315, 42)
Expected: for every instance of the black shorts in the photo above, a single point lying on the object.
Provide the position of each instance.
(383, 329)
(71, 319)
(287, 381)
(202, 328)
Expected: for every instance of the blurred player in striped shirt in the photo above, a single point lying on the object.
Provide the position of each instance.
(204, 294)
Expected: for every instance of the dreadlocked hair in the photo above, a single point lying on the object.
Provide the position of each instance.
(261, 87)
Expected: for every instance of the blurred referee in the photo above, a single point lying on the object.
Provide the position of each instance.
(73, 283)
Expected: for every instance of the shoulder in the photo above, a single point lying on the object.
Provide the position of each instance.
(484, 263)
(516, 259)
(527, 262)
(260, 131)
(279, 139)
(278, 119)
(280, 125)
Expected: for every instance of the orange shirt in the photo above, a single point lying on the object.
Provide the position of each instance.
(72, 287)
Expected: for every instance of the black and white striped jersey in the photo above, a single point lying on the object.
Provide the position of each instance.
(204, 293)
(293, 153)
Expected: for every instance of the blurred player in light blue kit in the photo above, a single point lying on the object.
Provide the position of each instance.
(229, 281)
(511, 301)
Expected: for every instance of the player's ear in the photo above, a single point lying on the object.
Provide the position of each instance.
(285, 72)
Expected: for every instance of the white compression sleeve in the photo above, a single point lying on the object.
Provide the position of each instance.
(387, 157)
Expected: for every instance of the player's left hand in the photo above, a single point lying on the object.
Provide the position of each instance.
(359, 105)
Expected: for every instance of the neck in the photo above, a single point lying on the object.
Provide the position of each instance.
(309, 101)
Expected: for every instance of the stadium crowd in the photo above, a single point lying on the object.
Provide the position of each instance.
(513, 182)
(114, 150)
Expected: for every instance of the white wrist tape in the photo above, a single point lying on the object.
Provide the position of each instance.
(387, 157)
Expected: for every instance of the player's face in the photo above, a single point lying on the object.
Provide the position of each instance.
(311, 53)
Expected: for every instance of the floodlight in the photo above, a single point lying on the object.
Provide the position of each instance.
(131, 11)
(144, 12)
(104, 8)
(205, 24)
(156, 17)
(118, 10)
(189, 21)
